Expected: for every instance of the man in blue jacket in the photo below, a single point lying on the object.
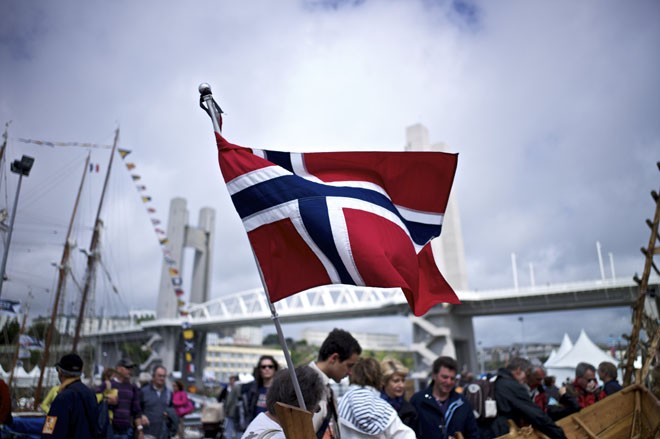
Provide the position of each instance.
(74, 412)
(441, 411)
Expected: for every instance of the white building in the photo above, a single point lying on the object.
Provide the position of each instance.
(224, 360)
(368, 341)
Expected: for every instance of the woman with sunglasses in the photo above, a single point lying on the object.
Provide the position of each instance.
(255, 399)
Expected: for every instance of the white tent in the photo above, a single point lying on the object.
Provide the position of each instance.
(565, 346)
(584, 350)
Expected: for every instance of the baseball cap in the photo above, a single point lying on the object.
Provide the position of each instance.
(126, 362)
(70, 363)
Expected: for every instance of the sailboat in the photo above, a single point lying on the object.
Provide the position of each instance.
(69, 263)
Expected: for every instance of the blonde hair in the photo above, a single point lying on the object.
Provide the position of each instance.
(392, 366)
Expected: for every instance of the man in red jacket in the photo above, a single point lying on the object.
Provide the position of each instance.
(534, 381)
(585, 385)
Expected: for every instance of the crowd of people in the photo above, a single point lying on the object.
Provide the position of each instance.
(115, 409)
(374, 406)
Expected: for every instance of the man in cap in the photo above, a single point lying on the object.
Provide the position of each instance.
(74, 412)
(127, 410)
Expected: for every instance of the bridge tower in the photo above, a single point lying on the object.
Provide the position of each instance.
(440, 332)
(181, 235)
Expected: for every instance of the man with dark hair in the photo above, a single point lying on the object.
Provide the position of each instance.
(513, 402)
(266, 424)
(441, 410)
(608, 375)
(337, 355)
(231, 407)
(551, 388)
(156, 405)
(74, 412)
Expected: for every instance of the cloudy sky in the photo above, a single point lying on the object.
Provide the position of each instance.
(553, 107)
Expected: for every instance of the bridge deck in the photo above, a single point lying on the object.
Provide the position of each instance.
(340, 301)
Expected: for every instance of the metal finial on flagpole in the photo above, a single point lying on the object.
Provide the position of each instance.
(208, 104)
(214, 111)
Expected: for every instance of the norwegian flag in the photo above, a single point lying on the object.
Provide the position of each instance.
(355, 218)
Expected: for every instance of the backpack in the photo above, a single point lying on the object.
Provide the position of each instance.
(103, 426)
(103, 422)
(481, 396)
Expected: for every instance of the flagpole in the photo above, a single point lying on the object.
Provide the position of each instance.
(215, 112)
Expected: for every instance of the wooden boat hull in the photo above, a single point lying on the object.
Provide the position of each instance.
(630, 413)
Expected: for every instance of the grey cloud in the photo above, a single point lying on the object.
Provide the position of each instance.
(553, 108)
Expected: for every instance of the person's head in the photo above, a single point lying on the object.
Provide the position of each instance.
(467, 377)
(178, 385)
(535, 376)
(549, 381)
(158, 376)
(517, 366)
(338, 353)
(232, 380)
(124, 369)
(282, 390)
(607, 371)
(265, 370)
(69, 366)
(366, 372)
(585, 376)
(394, 377)
(444, 376)
(108, 373)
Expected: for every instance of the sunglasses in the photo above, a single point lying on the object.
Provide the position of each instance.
(591, 380)
(267, 366)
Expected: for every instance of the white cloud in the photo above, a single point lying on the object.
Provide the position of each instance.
(553, 107)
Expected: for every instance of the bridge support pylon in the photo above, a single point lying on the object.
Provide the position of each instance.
(181, 235)
(441, 333)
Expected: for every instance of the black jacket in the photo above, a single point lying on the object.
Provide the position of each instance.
(73, 414)
(432, 425)
(513, 402)
(408, 415)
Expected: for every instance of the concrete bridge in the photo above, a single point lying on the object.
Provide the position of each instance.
(444, 330)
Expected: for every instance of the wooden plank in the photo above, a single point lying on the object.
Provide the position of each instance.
(650, 413)
(618, 430)
(296, 422)
(613, 417)
(601, 415)
(586, 429)
(572, 429)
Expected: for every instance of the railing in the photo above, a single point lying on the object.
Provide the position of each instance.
(251, 305)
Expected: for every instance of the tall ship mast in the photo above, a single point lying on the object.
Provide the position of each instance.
(92, 255)
(63, 270)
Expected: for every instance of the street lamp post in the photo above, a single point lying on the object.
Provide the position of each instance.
(21, 167)
(523, 348)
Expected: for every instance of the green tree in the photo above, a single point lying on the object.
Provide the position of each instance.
(273, 340)
(10, 332)
(134, 352)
